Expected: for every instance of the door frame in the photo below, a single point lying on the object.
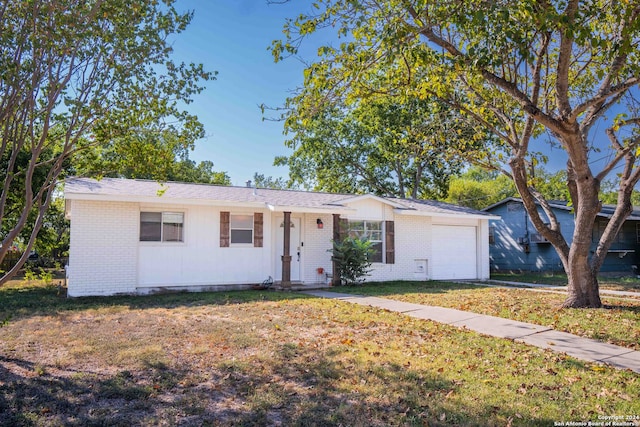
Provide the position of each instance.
(295, 248)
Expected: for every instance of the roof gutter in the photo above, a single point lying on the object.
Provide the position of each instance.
(161, 200)
(412, 212)
(324, 209)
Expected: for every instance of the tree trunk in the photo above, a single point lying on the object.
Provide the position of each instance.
(582, 275)
(582, 290)
(581, 269)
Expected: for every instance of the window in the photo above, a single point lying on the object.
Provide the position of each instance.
(161, 226)
(598, 231)
(492, 234)
(241, 228)
(372, 231)
(514, 207)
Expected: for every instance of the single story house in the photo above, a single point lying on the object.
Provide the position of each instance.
(515, 244)
(137, 236)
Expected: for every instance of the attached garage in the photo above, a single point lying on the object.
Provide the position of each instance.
(454, 252)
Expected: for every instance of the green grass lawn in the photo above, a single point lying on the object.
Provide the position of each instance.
(625, 283)
(275, 358)
(617, 323)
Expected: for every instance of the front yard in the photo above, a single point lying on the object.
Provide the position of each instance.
(618, 323)
(615, 283)
(271, 358)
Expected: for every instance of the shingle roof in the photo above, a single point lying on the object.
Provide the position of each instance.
(556, 204)
(118, 189)
(437, 207)
(607, 212)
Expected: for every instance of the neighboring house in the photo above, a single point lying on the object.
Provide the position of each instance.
(515, 245)
(134, 236)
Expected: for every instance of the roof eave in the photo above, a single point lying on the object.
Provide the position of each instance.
(208, 202)
(162, 200)
(608, 216)
(323, 209)
(515, 199)
(412, 212)
(370, 197)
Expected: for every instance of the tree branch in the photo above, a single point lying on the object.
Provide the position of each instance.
(510, 88)
(564, 61)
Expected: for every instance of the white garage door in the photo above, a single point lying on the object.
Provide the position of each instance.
(454, 252)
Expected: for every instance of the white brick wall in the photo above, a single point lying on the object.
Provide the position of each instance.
(413, 244)
(412, 241)
(103, 252)
(199, 260)
(107, 258)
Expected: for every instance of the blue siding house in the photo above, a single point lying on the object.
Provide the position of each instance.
(515, 244)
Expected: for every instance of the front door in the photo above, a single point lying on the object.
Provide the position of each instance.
(294, 251)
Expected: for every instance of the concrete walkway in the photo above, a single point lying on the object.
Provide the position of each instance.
(539, 336)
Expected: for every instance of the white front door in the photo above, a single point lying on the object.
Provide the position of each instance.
(294, 248)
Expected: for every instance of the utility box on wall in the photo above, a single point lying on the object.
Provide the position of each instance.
(420, 271)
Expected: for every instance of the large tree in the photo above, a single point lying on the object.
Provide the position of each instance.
(75, 76)
(162, 155)
(478, 188)
(381, 145)
(529, 71)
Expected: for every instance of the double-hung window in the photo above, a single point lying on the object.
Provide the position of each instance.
(371, 231)
(241, 227)
(161, 226)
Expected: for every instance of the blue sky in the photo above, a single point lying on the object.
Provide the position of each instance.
(232, 37)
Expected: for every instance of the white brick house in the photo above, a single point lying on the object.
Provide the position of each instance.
(135, 236)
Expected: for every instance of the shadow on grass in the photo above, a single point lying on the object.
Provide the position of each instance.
(21, 302)
(382, 289)
(301, 388)
(616, 281)
(31, 396)
(631, 308)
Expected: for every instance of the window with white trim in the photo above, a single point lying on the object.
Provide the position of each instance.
(161, 226)
(371, 231)
(241, 228)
